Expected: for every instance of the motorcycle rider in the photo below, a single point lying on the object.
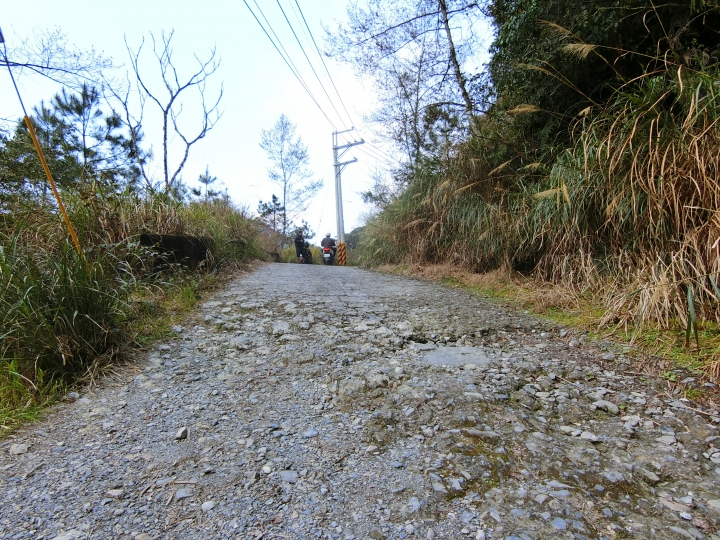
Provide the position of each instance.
(299, 244)
(329, 242)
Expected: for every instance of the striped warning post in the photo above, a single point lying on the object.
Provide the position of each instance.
(341, 254)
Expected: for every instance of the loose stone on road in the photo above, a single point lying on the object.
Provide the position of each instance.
(329, 402)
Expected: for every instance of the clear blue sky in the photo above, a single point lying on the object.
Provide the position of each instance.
(258, 85)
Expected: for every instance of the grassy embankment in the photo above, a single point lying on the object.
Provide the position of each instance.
(582, 311)
(621, 224)
(65, 319)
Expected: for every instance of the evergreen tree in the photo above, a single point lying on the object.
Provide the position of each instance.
(271, 213)
(206, 180)
(93, 138)
(83, 146)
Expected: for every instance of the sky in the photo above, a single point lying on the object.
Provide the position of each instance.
(258, 86)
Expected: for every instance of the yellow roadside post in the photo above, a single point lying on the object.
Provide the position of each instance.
(342, 254)
(38, 149)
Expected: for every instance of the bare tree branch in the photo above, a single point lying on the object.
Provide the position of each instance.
(454, 60)
(134, 124)
(417, 59)
(289, 160)
(48, 53)
(412, 19)
(170, 105)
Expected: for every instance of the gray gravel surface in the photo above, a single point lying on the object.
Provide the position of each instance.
(325, 402)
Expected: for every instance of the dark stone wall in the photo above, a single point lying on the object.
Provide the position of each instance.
(188, 251)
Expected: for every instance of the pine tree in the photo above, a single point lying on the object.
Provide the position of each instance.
(206, 180)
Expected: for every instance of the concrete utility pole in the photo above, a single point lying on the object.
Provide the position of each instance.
(339, 167)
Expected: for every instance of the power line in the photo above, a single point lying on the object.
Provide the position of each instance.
(311, 65)
(327, 70)
(300, 23)
(288, 61)
(378, 157)
(378, 154)
(323, 62)
(381, 152)
(378, 150)
(284, 54)
(373, 152)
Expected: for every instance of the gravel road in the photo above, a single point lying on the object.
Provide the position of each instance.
(313, 402)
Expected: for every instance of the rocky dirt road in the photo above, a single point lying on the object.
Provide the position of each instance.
(390, 408)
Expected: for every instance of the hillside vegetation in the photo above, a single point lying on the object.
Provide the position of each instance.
(67, 314)
(590, 157)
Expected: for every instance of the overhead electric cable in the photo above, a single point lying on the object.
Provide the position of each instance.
(311, 64)
(323, 62)
(300, 23)
(287, 61)
(379, 158)
(376, 156)
(284, 54)
(282, 51)
(380, 152)
(376, 148)
(43, 162)
(332, 81)
(373, 150)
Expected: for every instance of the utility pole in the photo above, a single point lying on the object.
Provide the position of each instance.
(339, 167)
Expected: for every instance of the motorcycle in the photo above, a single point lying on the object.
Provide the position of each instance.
(328, 256)
(306, 255)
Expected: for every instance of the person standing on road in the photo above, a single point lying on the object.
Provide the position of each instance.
(329, 242)
(299, 244)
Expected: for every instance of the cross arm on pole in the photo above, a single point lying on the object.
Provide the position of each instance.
(348, 145)
(338, 151)
(341, 166)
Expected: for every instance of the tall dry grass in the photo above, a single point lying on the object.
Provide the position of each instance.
(643, 195)
(629, 210)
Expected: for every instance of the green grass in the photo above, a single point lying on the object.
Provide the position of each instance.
(22, 400)
(59, 313)
(287, 255)
(588, 314)
(670, 344)
(32, 374)
(64, 319)
(157, 308)
(61, 319)
(624, 211)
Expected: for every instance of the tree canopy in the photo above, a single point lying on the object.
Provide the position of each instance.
(289, 161)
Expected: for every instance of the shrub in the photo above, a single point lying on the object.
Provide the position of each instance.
(287, 255)
(61, 316)
(634, 199)
(64, 317)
